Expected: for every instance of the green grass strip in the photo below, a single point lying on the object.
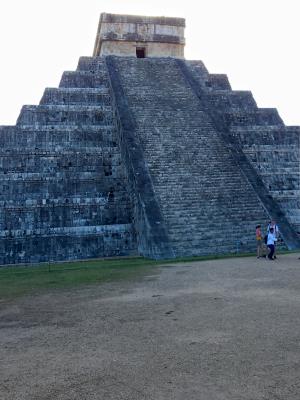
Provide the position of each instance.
(17, 281)
(22, 280)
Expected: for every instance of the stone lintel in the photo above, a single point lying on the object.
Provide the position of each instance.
(139, 19)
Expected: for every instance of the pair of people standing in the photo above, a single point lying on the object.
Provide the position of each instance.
(270, 239)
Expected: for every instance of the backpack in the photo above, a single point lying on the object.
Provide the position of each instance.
(266, 239)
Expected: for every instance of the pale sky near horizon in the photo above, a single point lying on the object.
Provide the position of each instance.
(254, 42)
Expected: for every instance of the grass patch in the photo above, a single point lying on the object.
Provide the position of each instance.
(22, 280)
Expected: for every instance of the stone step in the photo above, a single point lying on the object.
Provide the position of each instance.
(202, 250)
(204, 194)
(101, 199)
(272, 135)
(40, 187)
(104, 152)
(239, 114)
(209, 207)
(285, 180)
(57, 171)
(65, 115)
(233, 117)
(72, 230)
(261, 116)
(84, 79)
(213, 197)
(204, 224)
(198, 67)
(48, 137)
(292, 194)
(217, 237)
(23, 162)
(91, 64)
(25, 167)
(210, 222)
(67, 244)
(220, 238)
(232, 100)
(66, 215)
(207, 215)
(218, 82)
(76, 96)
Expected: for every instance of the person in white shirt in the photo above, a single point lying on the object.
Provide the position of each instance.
(272, 224)
(271, 243)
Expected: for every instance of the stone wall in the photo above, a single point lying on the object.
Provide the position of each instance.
(275, 153)
(120, 35)
(64, 190)
(152, 49)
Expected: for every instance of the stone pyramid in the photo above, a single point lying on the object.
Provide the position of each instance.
(140, 151)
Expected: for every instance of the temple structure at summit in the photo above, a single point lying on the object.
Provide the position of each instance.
(127, 35)
(140, 151)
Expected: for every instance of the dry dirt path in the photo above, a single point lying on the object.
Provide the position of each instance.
(214, 330)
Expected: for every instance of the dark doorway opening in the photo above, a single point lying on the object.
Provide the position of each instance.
(140, 52)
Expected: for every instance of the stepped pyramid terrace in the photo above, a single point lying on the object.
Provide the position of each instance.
(140, 151)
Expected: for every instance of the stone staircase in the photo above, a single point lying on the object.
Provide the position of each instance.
(207, 203)
(271, 147)
(64, 192)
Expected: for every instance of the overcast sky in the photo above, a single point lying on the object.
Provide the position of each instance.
(255, 42)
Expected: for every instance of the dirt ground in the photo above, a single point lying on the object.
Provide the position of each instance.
(214, 330)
